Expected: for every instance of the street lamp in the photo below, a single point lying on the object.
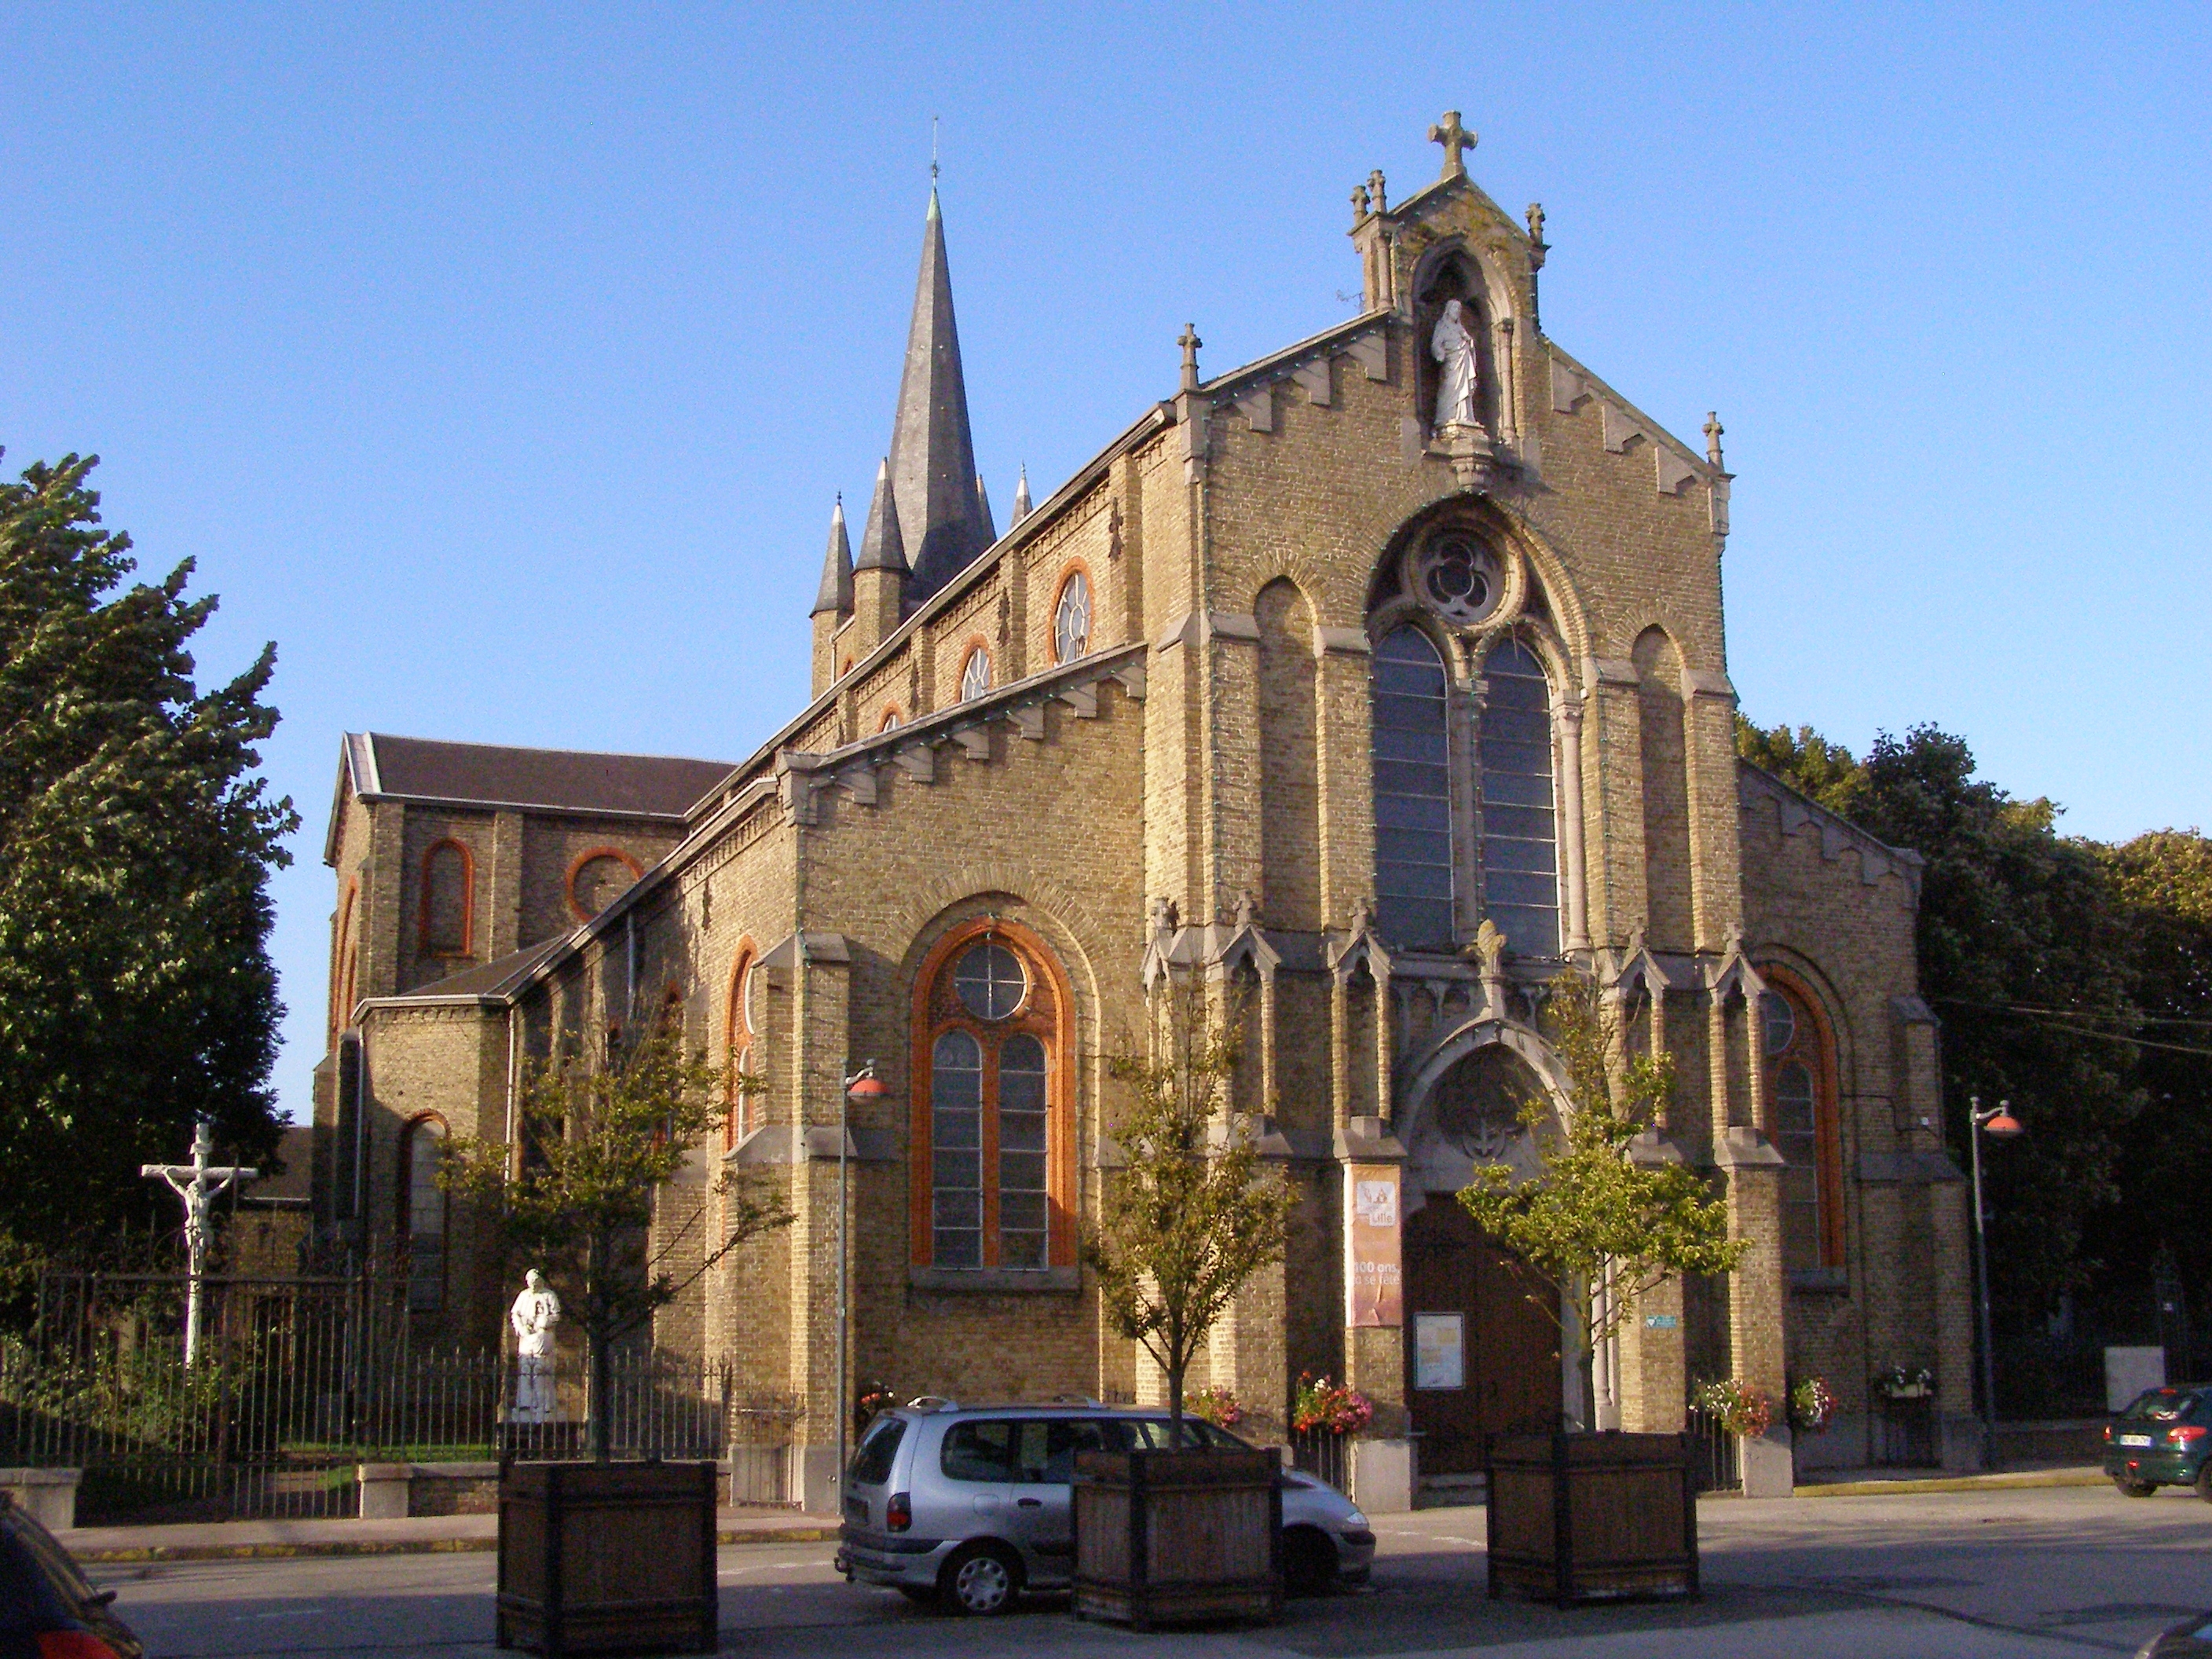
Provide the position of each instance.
(865, 1088)
(1999, 1124)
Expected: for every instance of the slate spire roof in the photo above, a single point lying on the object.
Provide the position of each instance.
(883, 546)
(942, 521)
(835, 594)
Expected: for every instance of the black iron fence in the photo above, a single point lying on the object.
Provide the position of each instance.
(1324, 1455)
(1715, 1453)
(298, 1381)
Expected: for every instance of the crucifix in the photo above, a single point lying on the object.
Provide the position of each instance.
(197, 1183)
(1455, 138)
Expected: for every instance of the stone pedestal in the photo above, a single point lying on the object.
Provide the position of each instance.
(1766, 1464)
(1385, 1474)
(384, 1488)
(48, 1496)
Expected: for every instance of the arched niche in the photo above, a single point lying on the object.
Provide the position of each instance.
(1463, 1105)
(1451, 272)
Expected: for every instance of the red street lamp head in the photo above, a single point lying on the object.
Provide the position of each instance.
(2003, 1125)
(866, 1088)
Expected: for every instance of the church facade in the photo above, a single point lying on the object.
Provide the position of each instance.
(1380, 680)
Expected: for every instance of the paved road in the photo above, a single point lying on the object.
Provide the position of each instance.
(2057, 1573)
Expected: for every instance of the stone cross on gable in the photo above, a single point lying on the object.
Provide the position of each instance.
(197, 1183)
(1190, 342)
(1455, 138)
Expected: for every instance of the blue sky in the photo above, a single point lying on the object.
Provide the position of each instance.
(502, 363)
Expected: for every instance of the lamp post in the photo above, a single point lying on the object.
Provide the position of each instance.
(1998, 1122)
(865, 1087)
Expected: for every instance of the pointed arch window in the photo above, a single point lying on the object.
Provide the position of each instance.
(1802, 1105)
(1071, 617)
(423, 1212)
(447, 899)
(1519, 823)
(1413, 792)
(992, 1128)
(744, 1109)
(976, 673)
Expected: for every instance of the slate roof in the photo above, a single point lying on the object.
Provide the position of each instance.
(555, 780)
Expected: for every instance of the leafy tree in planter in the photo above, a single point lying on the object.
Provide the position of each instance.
(1192, 1217)
(596, 1148)
(1592, 1209)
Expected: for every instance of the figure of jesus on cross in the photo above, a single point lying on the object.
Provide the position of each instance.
(197, 1183)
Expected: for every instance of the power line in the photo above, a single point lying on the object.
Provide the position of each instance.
(2035, 1017)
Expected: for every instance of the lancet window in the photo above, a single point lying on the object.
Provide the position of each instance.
(423, 1212)
(1520, 834)
(446, 908)
(992, 1107)
(1071, 617)
(1413, 792)
(1801, 1090)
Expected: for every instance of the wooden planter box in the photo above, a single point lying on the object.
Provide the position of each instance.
(1167, 1535)
(607, 1558)
(1592, 1517)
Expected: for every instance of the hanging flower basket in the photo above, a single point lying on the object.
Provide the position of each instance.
(1737, 1406)
(1898, 1383)
(1217, 1406)
(1332, 1408)
(1811, 1405)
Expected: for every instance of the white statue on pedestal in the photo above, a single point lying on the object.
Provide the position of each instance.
(537, 1310)
(1452, 346)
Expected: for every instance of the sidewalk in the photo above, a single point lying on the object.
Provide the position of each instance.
(1869, 1483)
(246, 1540)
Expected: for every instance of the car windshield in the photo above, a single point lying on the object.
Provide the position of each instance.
(2162, 1404)
(872, 1464)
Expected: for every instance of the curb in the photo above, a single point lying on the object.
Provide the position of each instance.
(151, 1553)
(2026, 1481)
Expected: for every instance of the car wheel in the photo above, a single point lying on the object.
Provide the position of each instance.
(980, 1580)
(2134, 1488)
(2204, 1480)
(1308, 1562)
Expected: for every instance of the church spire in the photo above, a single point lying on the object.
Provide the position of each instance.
(1021, 496)
(941, 514)
(834, 597)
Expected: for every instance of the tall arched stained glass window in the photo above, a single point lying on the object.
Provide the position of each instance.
(1413, 793)
(1520, 837)
(955, 1140)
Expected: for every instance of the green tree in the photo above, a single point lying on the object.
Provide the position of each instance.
(2025, 952)
(1594, 1210)
(1191, 1217)
(596, 1146)
(135, 843)
(1806, 762)
(2163, 884)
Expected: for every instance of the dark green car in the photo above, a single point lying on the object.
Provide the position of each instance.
(2164, 1438)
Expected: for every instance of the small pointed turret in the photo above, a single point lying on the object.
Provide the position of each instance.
(932, 456)
(880, 578)
(882, 544)
(834, 597)
(1021, 508)
(983, 508)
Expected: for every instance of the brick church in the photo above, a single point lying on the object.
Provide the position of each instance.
(1381, 678)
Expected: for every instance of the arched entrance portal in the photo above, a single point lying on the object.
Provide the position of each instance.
(1482, 1355)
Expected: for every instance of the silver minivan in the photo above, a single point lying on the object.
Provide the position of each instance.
(968, 1506)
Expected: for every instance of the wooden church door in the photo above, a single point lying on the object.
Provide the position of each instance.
(1468, 1301)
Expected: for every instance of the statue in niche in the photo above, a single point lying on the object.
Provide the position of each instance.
(537, 1310)
(1452, 345)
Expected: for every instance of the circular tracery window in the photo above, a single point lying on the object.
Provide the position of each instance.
(1459, 578)
(990, 980)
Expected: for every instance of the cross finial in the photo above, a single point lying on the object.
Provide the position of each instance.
(1455, 138)
(1190, 342)
(1538, 247)
(1713, 430)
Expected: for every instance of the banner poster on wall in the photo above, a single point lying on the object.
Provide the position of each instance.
(1376, 1290)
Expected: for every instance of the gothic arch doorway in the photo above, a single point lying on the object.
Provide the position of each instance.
(1482, 1355)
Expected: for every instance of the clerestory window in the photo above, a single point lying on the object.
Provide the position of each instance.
(1071, 618)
